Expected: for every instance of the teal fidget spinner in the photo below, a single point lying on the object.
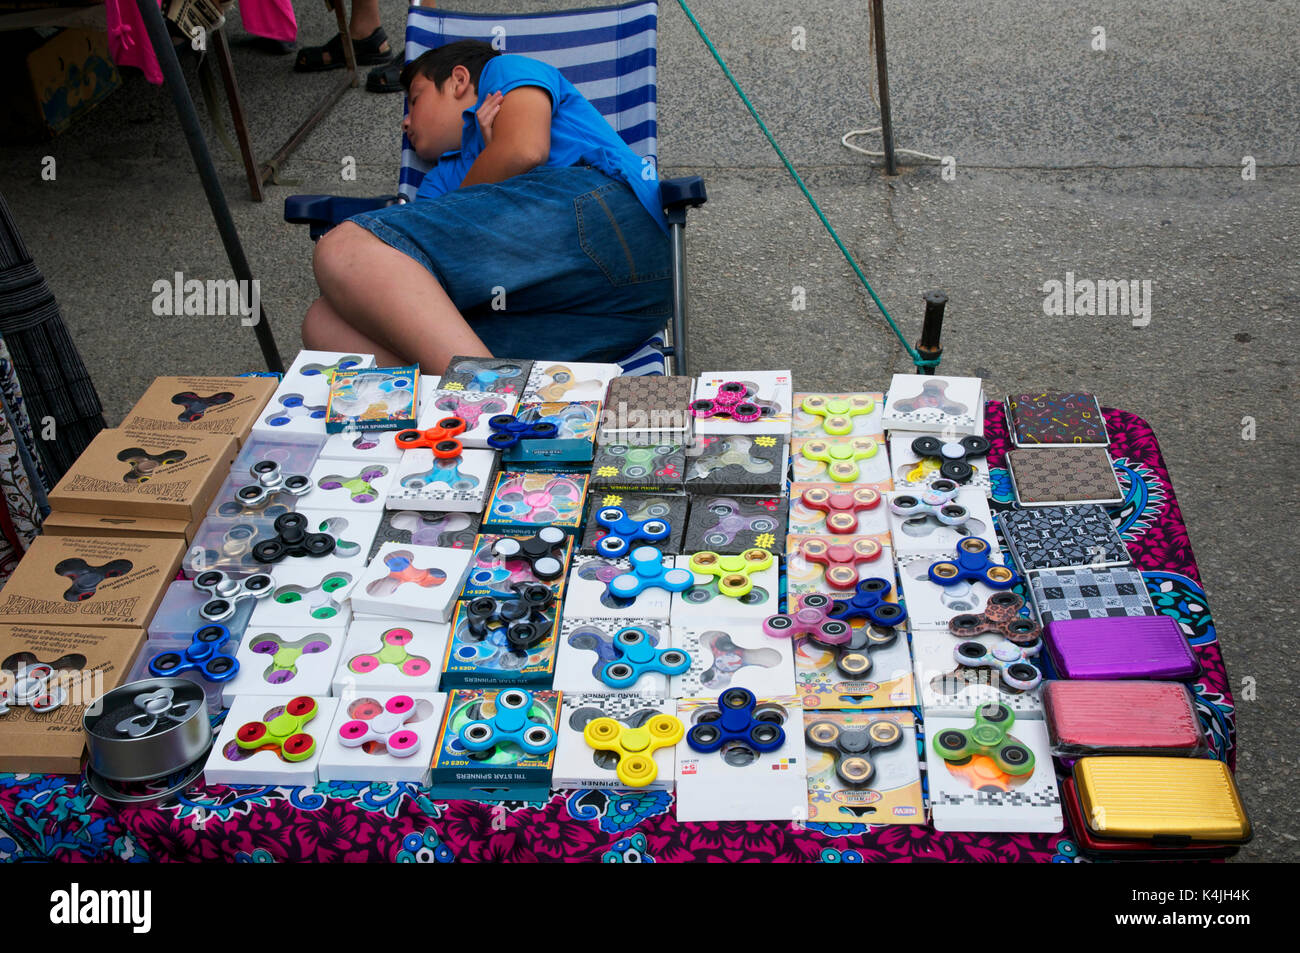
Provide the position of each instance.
(991, 737)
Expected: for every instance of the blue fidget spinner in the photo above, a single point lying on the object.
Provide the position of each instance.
(509, 724)
(735, 721)
(294, 406)
(203, 655)
(442, 471)
(648, 572)
(869, 603)
(639, 657)
(624, 531)
(508, 430)
(973, 565)
(482, 377)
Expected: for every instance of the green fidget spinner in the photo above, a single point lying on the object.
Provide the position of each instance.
(841, 456)
(320, 597)
(990, 736)
(733, 572)
(837, 413)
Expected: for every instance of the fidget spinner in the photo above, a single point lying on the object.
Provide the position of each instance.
(570, 420)
(973, 565)
(937, 500)
(592, 638)
(342, 364)
(840, 559)
(365, 390)
(145, 464)
(638, 656)
(510, 724)
(703, 592)
(524, 617)
(273, 504)
(868, 602)
(730, 401)
(392, 652)
(371, 724)
(158, 706)
(545, 505)
(283, 732)
(640, 462)
(648, 572)
(233, 552)
(562, 382)
(622, 531)
(729, 451)
(840, 456)
(737, 718)
(837, 413)
(991, 737)
(291, 406)
(433, 529)
(471, 407)
(292, 539)
(227, 591)
(733, 572)
(1008, 658)
(86, 578)
(440, 438)
(196, 406)
(202, 655)
(955, 454)
(336, 526)
(931, 395)
(852, 747)
(729, 658)
(841, 508)
(34, 685)
(484, 378)
(359, 487)
(1001, 616)
(270, 480)
(634, 747)
(732, 522)
(508, 430)
(444, 470)
(538, 550)
(320, 598)
(285, 654)
(605, 571)
(812, 618)
(402, 570)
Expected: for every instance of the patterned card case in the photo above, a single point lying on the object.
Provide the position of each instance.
(1066, 475)
(646, 406)
(1063, 537)
(1048, 418)
(1090, 594)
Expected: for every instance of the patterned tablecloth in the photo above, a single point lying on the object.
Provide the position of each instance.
(48, 817)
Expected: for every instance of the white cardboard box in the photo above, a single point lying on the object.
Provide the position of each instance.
(703, 604)
(587, 595)
(286, 662)
(342, 485)
(947, 688)
(412, 582)
(934, 404)
(459, 485)
(308, 591)
(391, 655)
(771, 388)
(578, 765)
(930, 605)
(569, 381)
(372, 760)
(733, 654)
(230, 764)
(586, 646)
(924, 533)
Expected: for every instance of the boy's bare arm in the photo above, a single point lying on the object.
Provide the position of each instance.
(521, 137)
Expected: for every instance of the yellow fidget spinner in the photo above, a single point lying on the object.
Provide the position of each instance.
(635, 747)
(732, 571)
(837, 413)
(924, 466)
(841, 456)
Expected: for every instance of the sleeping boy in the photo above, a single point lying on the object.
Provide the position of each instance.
(538, 233)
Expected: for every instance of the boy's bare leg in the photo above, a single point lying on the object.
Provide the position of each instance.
(391, 299)
(324, 330)
(365, 19)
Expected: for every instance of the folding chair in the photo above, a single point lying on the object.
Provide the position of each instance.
(609, 54)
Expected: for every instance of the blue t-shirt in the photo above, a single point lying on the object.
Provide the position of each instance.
(579, 134)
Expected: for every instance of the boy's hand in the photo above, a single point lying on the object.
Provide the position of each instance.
(487, 113)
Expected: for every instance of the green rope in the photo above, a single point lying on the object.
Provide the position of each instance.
(917, 359)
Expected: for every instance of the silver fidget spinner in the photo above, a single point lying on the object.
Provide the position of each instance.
(937, 501)
(730, 451)
(271, 479)
(154, 706)
(33, 689)
(227, 591)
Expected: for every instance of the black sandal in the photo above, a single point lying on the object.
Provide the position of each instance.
(369, 52)
(386, 79)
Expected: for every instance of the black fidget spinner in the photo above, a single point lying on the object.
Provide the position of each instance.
(144, 464)
(196, 406)
(524, 618)
(539, 551)
(292, 539)
(271, 480)
(954, 454)
(86, 578)
(852, 746)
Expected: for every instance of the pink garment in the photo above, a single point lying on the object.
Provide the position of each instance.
(128, 42)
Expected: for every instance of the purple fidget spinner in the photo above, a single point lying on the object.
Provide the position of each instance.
(359, 487)
(433, 529)
(470, 407)
(812, 619)
(285, 654)
(731, 522)
(730, 401)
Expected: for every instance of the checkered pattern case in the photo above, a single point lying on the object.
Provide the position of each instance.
(1090, 594)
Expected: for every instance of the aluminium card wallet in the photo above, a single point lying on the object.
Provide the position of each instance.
(1045, 418)
(1045, 476)
(1135, 647)
(1121, 717)
(1063, 537)
(1164, 799)
(1108, 848)
(1090, 593)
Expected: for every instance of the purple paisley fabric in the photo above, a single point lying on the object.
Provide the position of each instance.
(59, 818)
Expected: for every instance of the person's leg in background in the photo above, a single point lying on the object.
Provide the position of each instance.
(369, 42)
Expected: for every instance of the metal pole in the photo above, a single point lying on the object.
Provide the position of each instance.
(678, 237)
(932, 328)
(189, 120)
(882, 78)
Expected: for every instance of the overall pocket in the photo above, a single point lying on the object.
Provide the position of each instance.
(620, 237)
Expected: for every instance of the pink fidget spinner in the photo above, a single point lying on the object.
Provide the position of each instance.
(383, 726)
(392, 652)
(841, 507)
(730, 401)
(811, 619)
(840, 558)
(545, 505)
(470, 407)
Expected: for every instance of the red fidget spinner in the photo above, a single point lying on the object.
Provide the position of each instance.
(840, 559)
(437, 438)
(402, 570)
(728, 402)
(841, 508)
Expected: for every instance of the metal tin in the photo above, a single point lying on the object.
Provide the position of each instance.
(147, 729)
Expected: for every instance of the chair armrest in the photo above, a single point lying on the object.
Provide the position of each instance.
(678, 195)
(323, 212)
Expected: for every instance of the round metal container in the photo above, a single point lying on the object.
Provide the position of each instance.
(147, 729)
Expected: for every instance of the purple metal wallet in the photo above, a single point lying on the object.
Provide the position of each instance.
(1123, 647)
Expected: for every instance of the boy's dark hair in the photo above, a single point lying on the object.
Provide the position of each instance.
(436, 65)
